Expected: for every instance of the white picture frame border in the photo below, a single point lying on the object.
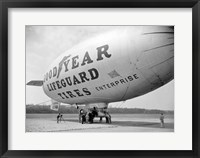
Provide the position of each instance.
(180, 139)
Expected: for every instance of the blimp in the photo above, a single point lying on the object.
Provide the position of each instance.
(117, 65)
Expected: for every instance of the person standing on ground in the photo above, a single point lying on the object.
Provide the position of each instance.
(61, 118)
(162, 120)
(58, 118)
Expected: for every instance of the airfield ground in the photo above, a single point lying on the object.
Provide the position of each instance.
(120, 123)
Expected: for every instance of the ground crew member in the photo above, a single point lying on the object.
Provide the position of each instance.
(162, 120)
(58, 118)
(61, 118)
(94, 112)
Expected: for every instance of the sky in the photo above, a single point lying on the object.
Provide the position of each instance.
(45, 43)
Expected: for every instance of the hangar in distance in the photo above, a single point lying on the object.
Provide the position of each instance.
(115, 66)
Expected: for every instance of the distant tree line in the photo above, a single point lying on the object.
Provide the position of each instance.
(31, 109)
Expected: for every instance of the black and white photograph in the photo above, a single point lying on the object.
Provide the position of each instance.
(99, 78)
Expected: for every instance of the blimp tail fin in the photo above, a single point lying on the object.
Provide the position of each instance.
(35, 83)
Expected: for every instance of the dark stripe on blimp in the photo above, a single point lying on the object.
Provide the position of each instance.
(159, 47)
(158, 33)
